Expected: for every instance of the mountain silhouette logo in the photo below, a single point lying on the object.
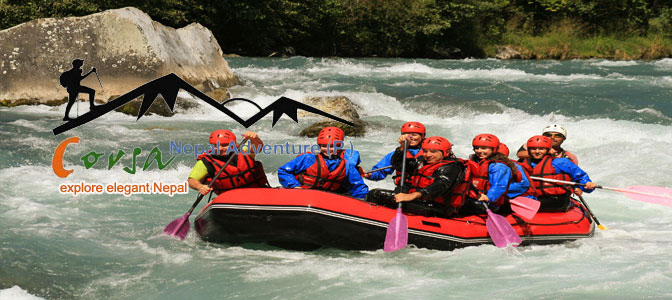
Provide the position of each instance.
(170, 84)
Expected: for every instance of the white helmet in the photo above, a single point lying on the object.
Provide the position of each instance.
(555, 128)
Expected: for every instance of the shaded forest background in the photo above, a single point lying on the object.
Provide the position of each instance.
(618, 29)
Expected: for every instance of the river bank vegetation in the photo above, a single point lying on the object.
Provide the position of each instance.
(559, 29)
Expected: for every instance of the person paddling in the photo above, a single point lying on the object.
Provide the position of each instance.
(440, 180)
(414, 132)
(327, 170)
(518, 188)
(492, 173)
(553, 196)
(558, 135)
(242, 172)
(71, 80)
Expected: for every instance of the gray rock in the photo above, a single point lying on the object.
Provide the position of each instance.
(506, 52)
(339, 106)
(447, 52)
(284, 52)
(125, 45)
(313, 130)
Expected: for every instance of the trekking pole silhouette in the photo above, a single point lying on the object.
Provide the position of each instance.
(101, 84)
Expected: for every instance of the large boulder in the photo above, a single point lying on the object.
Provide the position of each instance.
(125, 45)
(339, 106)
(314, 129)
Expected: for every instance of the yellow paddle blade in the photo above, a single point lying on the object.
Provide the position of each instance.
(602, 227)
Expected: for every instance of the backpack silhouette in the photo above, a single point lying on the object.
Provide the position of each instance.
(65, 79)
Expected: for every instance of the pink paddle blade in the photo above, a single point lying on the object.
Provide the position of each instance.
(525, 207)
(501, 232)
(178, 227)
(650, 194)
(397, 233)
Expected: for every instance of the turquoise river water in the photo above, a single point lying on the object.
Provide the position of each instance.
(109, 246)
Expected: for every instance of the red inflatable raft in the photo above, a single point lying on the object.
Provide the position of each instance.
(310, 219)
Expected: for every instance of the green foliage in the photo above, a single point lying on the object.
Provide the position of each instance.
(397, 28)
(662, 24)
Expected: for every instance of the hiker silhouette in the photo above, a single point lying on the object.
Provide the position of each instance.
(70, 80)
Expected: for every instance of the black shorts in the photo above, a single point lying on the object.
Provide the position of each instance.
(386, 198)
(557, 203)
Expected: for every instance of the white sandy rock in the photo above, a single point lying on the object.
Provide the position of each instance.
(125, 45)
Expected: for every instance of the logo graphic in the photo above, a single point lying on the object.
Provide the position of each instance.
(91, 158)
(71, 80)
(168, 86)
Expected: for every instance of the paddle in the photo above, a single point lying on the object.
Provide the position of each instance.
(525, 207)
(397, 231)
(379, 169)
(650, 194)
(600, 226)
(501, 232)
(180, 227)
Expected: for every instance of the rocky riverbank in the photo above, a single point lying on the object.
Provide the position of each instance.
(126, 47)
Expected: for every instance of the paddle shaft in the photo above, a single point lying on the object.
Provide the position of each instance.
(200, 196)
(396, 236)
(380, 169)
(600, 226)
(403, 170)
(561, 181)
(599, 186)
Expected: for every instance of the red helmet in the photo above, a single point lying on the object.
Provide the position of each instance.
(437, 143)
(486, 140)
(503, 149)
(539, 141)
(224, 137)
(413, 127)
(329, 135)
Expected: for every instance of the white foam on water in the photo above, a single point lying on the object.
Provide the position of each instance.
(408, 83)
(120, 283)
(17, 293)
(344, 269)
(653, 112)
(619, 76)
(352, 68)
(267, 74)
(410, 68)
(165, 255)
(615, 63)
(29, 124)
(32, 142)
(665, 81)
(663, 64)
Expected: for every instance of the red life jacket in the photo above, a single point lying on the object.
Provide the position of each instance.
(544, 169)
(319, 177)
(243, 171)
(570, 156)
(456, 196)
(397, 175)
(342, 155)
(480, 179)
(531, 191)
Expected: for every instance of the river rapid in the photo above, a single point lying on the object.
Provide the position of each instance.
(618, 115)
